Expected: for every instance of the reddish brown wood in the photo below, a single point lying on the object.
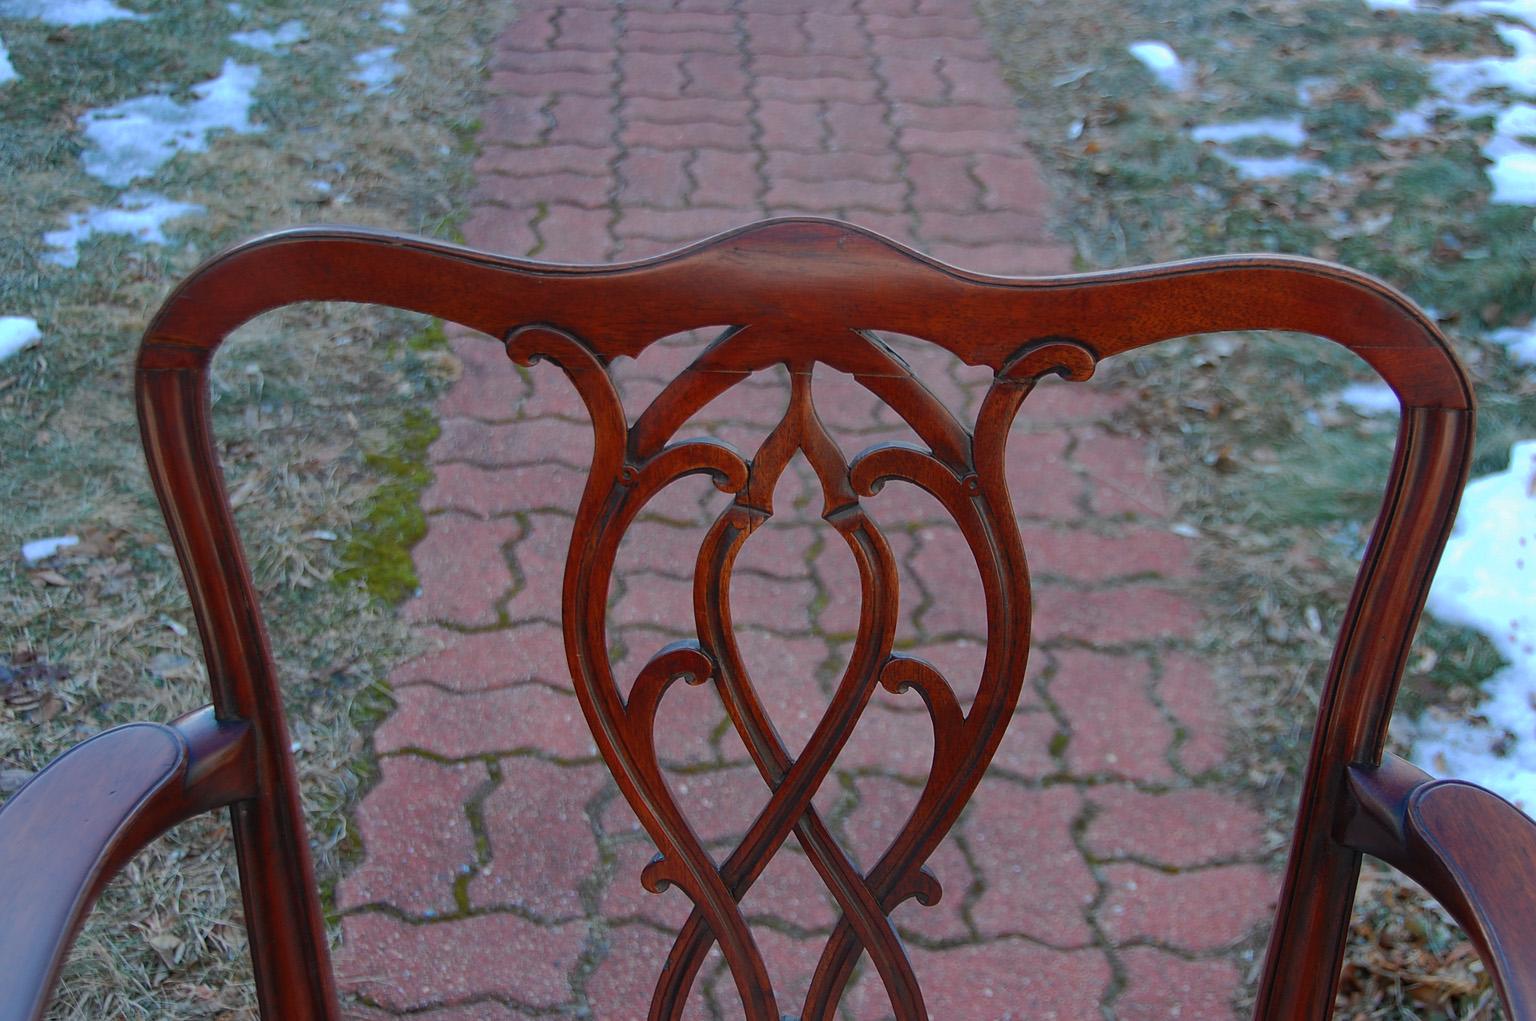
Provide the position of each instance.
(965, 477)
(804, 291)
(1474, 851)
(282, 906)
(798, 293)
(69, 830)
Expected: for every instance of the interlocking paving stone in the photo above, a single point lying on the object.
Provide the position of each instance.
(1035, 880)
(462, 570)
(1155, 827)
(1189, 693)
(1114, 727)
(482, 660)
(542, 845)
(621, 985)
(529, 717)
(404, 966)
(622, 131)
(417, 834)
(1160, 986)
(1004, 979)
(1196, 910)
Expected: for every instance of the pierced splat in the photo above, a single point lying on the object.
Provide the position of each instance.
(962, 470)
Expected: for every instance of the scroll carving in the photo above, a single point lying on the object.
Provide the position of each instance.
(960, 468)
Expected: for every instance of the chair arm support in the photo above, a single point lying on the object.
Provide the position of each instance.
(1471, 849)
(65, 834)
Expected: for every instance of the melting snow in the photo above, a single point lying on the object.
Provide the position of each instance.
(42, 549)
(1281, 129)
(132, 139)
(376, 69)
(1259, 167)
(1370, 398)
(1455, 82)
(1521, 341)
(7, 72)
(1514, 178)
(17, 333)
(1513, 172)
(1286, 130)
(1165, 65)
(139, 215)
(1520, 10)
(395, 12)
(1487, 580)
(272, 40)
(67, 12)
(1408, 123)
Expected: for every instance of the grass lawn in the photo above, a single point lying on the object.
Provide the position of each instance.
(1307, 127)
(317, 408)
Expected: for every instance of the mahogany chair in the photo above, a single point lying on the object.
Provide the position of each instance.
(801, 293)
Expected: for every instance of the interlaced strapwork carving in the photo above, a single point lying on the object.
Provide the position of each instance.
(961, 468)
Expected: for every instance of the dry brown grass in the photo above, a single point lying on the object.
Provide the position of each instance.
(1280, 483)
(102, 633)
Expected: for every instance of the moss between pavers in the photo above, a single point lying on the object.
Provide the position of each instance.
(377, 554)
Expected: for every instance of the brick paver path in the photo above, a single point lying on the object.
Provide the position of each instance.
(1100, 866)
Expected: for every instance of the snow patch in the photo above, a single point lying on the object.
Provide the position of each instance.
(1165, 65)
(1514, 178)
(42, 549)
(273, 40)
(17, 333)
(1408, 124)
(1513, 172)
(67, 12)
(1370, 398)
(394, 14)
(140, 215)
(134, 138)
(376, 69)
(1521, 341)
(1256, 168)
(1518, 10)
(1455, 82)
(1487, 580)
(1281, 129)
(1285, 130)
(1458, 80)
(7, 72)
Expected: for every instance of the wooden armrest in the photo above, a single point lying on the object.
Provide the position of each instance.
(65, 834)
(1471, 849)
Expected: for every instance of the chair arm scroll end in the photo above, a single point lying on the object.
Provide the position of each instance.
(64, 834)
(1471, 849)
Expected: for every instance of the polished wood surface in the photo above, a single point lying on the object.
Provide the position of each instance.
(799, 293)
(1471, 849)
(65, 833)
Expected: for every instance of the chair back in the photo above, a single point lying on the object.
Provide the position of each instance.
(799, 295)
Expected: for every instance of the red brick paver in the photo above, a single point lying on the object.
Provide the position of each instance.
(1101, 870)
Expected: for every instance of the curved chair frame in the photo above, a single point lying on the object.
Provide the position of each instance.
(811, 290)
